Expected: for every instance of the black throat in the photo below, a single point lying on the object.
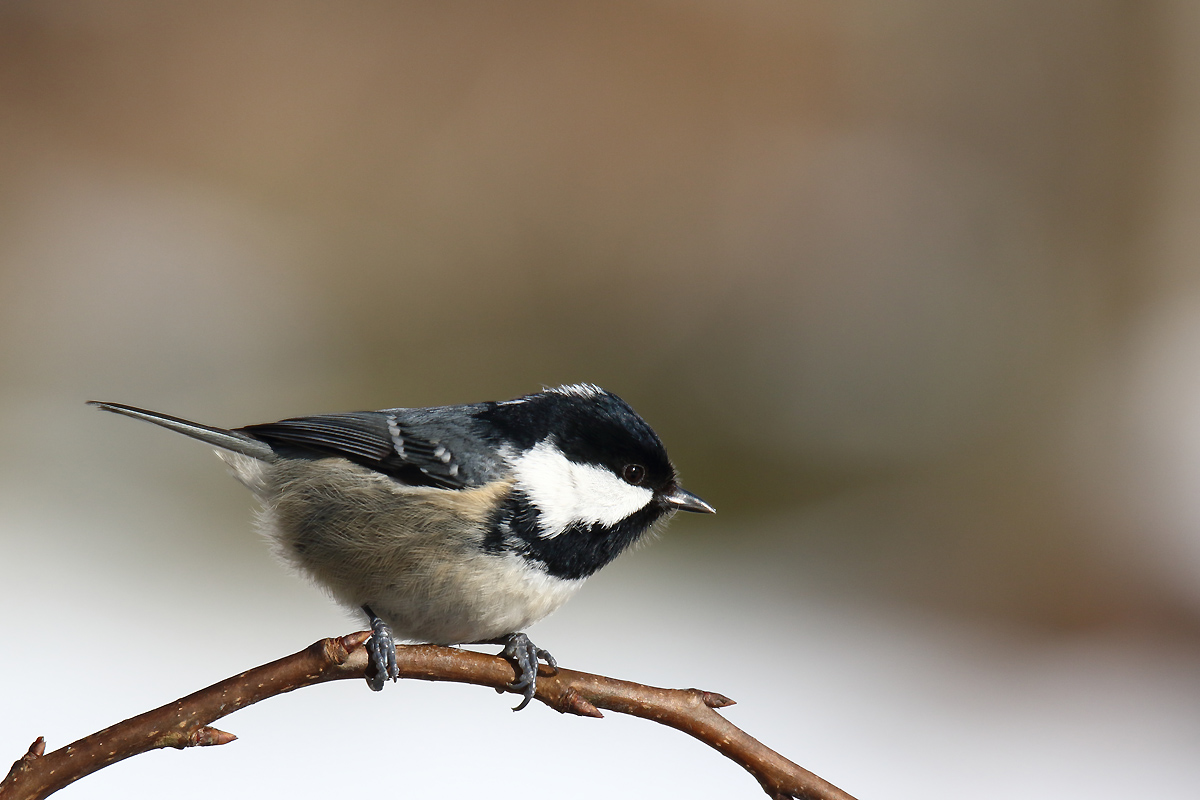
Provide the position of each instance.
(577, 552)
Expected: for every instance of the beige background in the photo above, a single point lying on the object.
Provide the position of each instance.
(910, 290)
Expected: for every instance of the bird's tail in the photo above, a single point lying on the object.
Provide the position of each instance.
(233, 441)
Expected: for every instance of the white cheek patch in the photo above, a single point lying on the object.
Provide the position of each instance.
(567, 493)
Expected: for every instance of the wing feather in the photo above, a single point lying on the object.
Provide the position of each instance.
(375, 439)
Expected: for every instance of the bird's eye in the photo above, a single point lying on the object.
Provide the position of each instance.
(634, 474)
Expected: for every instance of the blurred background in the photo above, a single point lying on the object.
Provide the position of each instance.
(910, 289)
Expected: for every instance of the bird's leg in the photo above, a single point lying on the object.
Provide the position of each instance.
(382, 651)
(524, 655)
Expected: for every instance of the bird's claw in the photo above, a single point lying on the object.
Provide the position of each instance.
(524, 655)
(381, 649)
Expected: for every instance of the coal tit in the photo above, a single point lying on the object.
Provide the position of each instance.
(455, 524)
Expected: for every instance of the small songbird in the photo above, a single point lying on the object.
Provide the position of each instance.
(456, 524)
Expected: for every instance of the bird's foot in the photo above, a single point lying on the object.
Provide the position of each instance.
(381, 651)
(524, 656)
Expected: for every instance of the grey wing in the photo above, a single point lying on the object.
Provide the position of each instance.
(385, 441)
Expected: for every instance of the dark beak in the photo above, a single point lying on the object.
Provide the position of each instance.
(686, 501)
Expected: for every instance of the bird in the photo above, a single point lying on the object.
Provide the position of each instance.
(456, 524)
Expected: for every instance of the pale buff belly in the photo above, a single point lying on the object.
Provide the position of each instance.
(414, 557)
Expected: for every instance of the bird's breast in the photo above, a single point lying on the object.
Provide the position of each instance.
(415, 555)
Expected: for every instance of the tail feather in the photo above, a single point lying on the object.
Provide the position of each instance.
(233, 441)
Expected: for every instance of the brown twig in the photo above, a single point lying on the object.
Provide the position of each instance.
(186, 722)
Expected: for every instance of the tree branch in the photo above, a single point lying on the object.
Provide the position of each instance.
(186, 722)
